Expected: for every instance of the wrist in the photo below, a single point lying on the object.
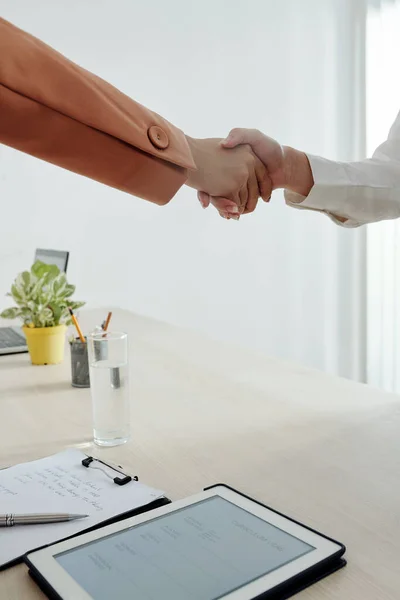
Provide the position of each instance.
(297, 174)
(193, 174)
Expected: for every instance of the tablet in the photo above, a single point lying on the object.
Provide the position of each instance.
(218, 544)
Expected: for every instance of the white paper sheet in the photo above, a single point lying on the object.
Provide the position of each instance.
(60, 483)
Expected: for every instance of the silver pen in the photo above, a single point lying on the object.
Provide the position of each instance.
(37, 519)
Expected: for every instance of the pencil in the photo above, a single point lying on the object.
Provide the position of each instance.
(107, 321)
(75, 322)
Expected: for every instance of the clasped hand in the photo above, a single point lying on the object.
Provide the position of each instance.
(232, 174)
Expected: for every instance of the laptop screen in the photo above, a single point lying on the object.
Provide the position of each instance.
(53, 257)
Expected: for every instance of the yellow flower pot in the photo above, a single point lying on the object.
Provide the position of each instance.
(46, 344)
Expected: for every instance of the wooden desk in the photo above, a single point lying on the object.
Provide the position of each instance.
(324, 450)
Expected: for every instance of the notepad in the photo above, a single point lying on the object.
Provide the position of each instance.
(60, 483)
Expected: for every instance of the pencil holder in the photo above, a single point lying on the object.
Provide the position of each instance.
(79, 364)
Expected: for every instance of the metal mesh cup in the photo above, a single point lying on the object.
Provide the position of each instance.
(79, 364)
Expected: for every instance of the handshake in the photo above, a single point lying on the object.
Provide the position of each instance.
(232, 174)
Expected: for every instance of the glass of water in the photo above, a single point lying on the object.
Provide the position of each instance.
(109, 386)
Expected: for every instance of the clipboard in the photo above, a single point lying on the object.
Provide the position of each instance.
(120, 479)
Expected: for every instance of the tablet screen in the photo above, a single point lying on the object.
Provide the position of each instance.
(200, 552)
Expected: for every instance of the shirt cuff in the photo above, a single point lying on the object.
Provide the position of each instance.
(329, 193)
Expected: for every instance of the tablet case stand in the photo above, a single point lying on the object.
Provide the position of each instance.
(283, 591)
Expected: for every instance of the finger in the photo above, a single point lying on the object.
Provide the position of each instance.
(253, 194)
(227, 213)
(204, 199)
(264, 181)
(267, 149)
(225, 206)
(241, 136)
(244, 197)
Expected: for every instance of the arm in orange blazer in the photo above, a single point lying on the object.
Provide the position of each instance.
(59, 112)
(55, 110)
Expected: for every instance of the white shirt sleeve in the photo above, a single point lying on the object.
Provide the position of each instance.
(356, 193)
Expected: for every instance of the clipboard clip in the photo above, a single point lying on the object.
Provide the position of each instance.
(96, 463)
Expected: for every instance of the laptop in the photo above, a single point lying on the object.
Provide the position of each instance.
(12, 339)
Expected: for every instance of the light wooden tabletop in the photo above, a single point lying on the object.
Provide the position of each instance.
(324, 450)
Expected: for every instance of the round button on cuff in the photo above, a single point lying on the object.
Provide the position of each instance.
(158, 137)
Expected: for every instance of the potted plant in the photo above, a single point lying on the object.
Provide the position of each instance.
(43, 299)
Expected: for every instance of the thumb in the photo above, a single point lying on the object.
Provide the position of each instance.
(241, 136)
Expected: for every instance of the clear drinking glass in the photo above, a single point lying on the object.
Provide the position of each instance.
(109, 386)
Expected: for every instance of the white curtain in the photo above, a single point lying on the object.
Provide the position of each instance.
(383, 239)
(281, 281)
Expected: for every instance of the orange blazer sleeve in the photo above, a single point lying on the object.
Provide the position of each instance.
(55, 110)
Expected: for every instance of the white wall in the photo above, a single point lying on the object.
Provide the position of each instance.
(279, 280)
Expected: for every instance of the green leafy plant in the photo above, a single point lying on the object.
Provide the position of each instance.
(43, 297)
